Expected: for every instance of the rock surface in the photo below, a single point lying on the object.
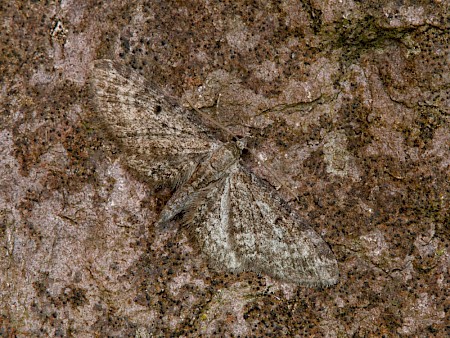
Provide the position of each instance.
(346, 101)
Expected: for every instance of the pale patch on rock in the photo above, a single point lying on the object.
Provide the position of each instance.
(338, 159)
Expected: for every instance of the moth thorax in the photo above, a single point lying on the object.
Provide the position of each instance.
(225, 156)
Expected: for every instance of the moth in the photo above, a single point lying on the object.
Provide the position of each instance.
(239, 221)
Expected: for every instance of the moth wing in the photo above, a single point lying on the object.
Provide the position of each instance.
(271, 240)
(209, 220)
(163, 141)
(244, 226)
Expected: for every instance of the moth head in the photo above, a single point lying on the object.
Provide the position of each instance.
(241, 142)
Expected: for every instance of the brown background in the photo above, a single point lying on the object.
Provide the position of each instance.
(347, 101)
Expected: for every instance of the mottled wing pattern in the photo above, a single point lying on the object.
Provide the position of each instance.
(211, 226)
(245, 226)
(278, 243)
(161, 139)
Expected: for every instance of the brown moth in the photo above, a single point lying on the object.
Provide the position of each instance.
(238, 220)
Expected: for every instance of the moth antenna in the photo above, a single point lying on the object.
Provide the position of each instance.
(222, 127)
(209, 118)
(274, 175)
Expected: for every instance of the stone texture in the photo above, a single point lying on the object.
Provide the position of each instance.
(347, 102)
